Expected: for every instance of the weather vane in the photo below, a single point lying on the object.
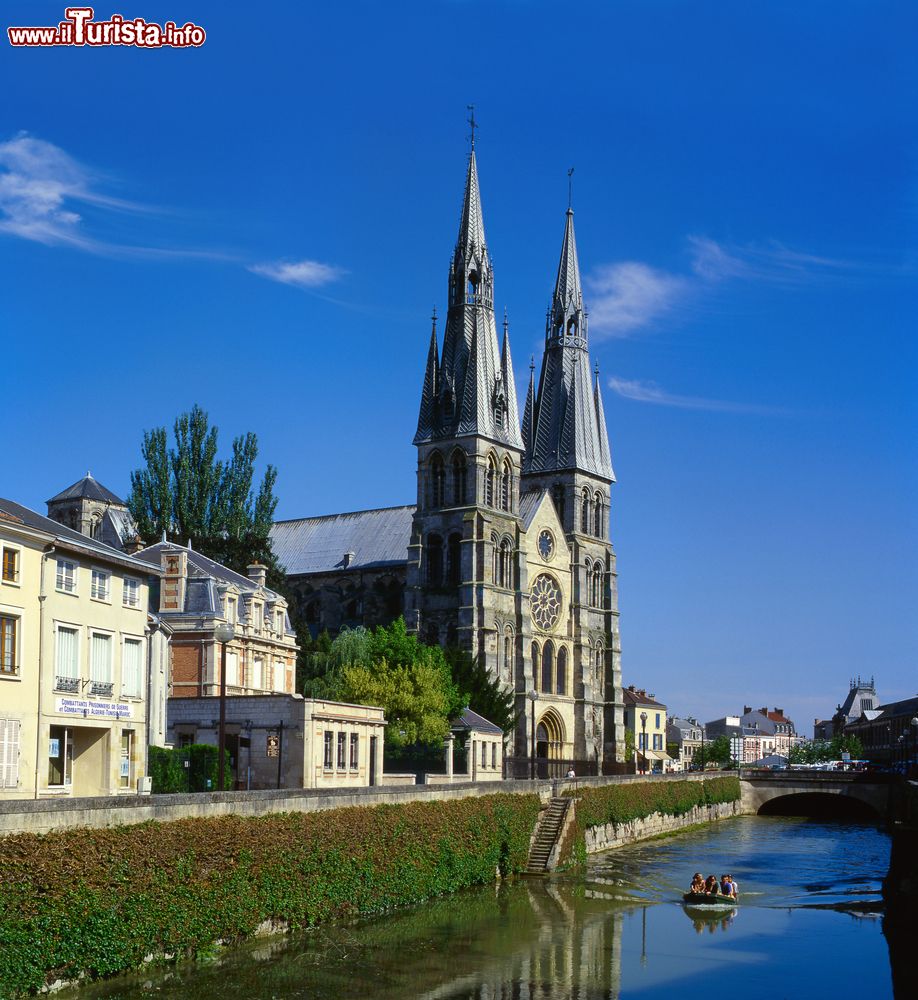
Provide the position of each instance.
(570, 187)
(471, 120)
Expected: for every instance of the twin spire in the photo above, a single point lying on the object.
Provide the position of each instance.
(470, 389)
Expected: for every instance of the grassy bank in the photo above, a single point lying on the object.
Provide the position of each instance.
(622, 803)
(97, 902)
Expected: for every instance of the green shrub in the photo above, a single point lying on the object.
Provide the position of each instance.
(627, 801)
(193, 768)
(98, 901)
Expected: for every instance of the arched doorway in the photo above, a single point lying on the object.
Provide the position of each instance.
(549, 743)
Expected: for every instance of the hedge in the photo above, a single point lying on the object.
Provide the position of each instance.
(622, 803)
(97, 902)
(195, 768)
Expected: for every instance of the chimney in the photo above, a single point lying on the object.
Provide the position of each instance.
(779, 711)
(348, 559)
(174, 562)
(258, 573)
(133, 545)
(746, 709)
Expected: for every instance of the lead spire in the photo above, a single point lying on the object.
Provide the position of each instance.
(567, 300)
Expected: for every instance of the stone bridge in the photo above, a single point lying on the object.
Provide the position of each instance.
(816, 793)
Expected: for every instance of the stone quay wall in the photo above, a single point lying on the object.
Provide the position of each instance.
(611, 835)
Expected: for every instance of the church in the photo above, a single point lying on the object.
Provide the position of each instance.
(506, 551)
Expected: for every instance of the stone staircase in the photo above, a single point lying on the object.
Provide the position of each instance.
(546, 837)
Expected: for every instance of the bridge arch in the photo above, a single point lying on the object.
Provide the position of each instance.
(821, 805)
(819, 795)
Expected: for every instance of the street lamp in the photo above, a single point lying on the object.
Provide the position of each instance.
(643, 742)
(533, 696)
(223, 633)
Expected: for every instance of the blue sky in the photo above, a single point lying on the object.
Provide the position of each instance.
(262, 225)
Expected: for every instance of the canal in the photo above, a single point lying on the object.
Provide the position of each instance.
(808, 925)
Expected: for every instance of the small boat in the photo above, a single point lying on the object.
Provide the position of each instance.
(706, 899)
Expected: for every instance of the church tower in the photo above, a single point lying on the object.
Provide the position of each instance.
(567, 456)
(463, 558)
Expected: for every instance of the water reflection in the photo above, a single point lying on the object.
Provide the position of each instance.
(619, 927)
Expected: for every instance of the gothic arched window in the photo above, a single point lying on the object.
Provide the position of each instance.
(535, 665)
(459, 478)
(437, 480)
(557, 495)
(561, 672)
(508, 652)
(597, 516)
(599, 658)
(506, 563)
(548, 665)
(453, 559)
(588, 590)
(495, 560)
(506, 482)
(472, 286)
(491, 481)
(434, 560)
(585, 512)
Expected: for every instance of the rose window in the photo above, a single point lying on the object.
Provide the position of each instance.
(545, 601)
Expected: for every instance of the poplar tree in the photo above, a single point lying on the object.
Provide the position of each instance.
(189, 494)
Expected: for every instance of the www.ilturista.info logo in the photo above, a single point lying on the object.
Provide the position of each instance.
(79, 28)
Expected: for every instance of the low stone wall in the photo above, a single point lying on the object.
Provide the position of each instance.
(602, 838)
(45, 815)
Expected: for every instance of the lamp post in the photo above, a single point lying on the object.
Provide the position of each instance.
(643, 742)
(223, 633)
(533, 696)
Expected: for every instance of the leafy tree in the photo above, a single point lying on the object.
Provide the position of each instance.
(485, 693)
(391, 668)
(190, 494)
(629, 744)
(715, 752)
(820, 751)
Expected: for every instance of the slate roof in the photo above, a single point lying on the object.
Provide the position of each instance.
(67, 536)
(205, 567)
(564, 423)
(377, 538)
(631, 698)
(472, 720)
(87, 488)
(529, 504)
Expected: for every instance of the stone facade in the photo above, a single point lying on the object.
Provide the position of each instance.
(284, 741)
(602, 838)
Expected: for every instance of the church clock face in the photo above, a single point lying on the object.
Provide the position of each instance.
(546, 544)
(545, 602)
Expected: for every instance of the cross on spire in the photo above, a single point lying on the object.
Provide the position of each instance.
(472, 124)
(570, 188)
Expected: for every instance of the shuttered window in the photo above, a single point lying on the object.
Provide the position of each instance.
(101, 658)
(9, 663)
(9, 753)
(131, 668)
(67, 652)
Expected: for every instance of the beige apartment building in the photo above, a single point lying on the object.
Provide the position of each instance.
(75, 670)
(646, 718)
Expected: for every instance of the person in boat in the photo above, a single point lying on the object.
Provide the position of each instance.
(697, 885)
(711, 888)
(728, 886)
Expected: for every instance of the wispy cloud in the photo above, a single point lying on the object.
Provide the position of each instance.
(629, 295)
(649, 392)
(40, 188)
(302, 273)
(712, 261)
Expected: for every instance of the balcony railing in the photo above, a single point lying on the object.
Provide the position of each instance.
(104, 689)
(69, 684)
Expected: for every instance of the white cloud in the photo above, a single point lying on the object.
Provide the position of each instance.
(302, 273)
(649, 392)
(629, 295)
(39, 183)
(712, 262)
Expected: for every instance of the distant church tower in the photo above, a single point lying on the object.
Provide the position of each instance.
(567, 454)
(463, 553)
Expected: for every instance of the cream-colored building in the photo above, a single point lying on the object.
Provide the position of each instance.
(75, 672)
(287, 741)
(645, 717)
